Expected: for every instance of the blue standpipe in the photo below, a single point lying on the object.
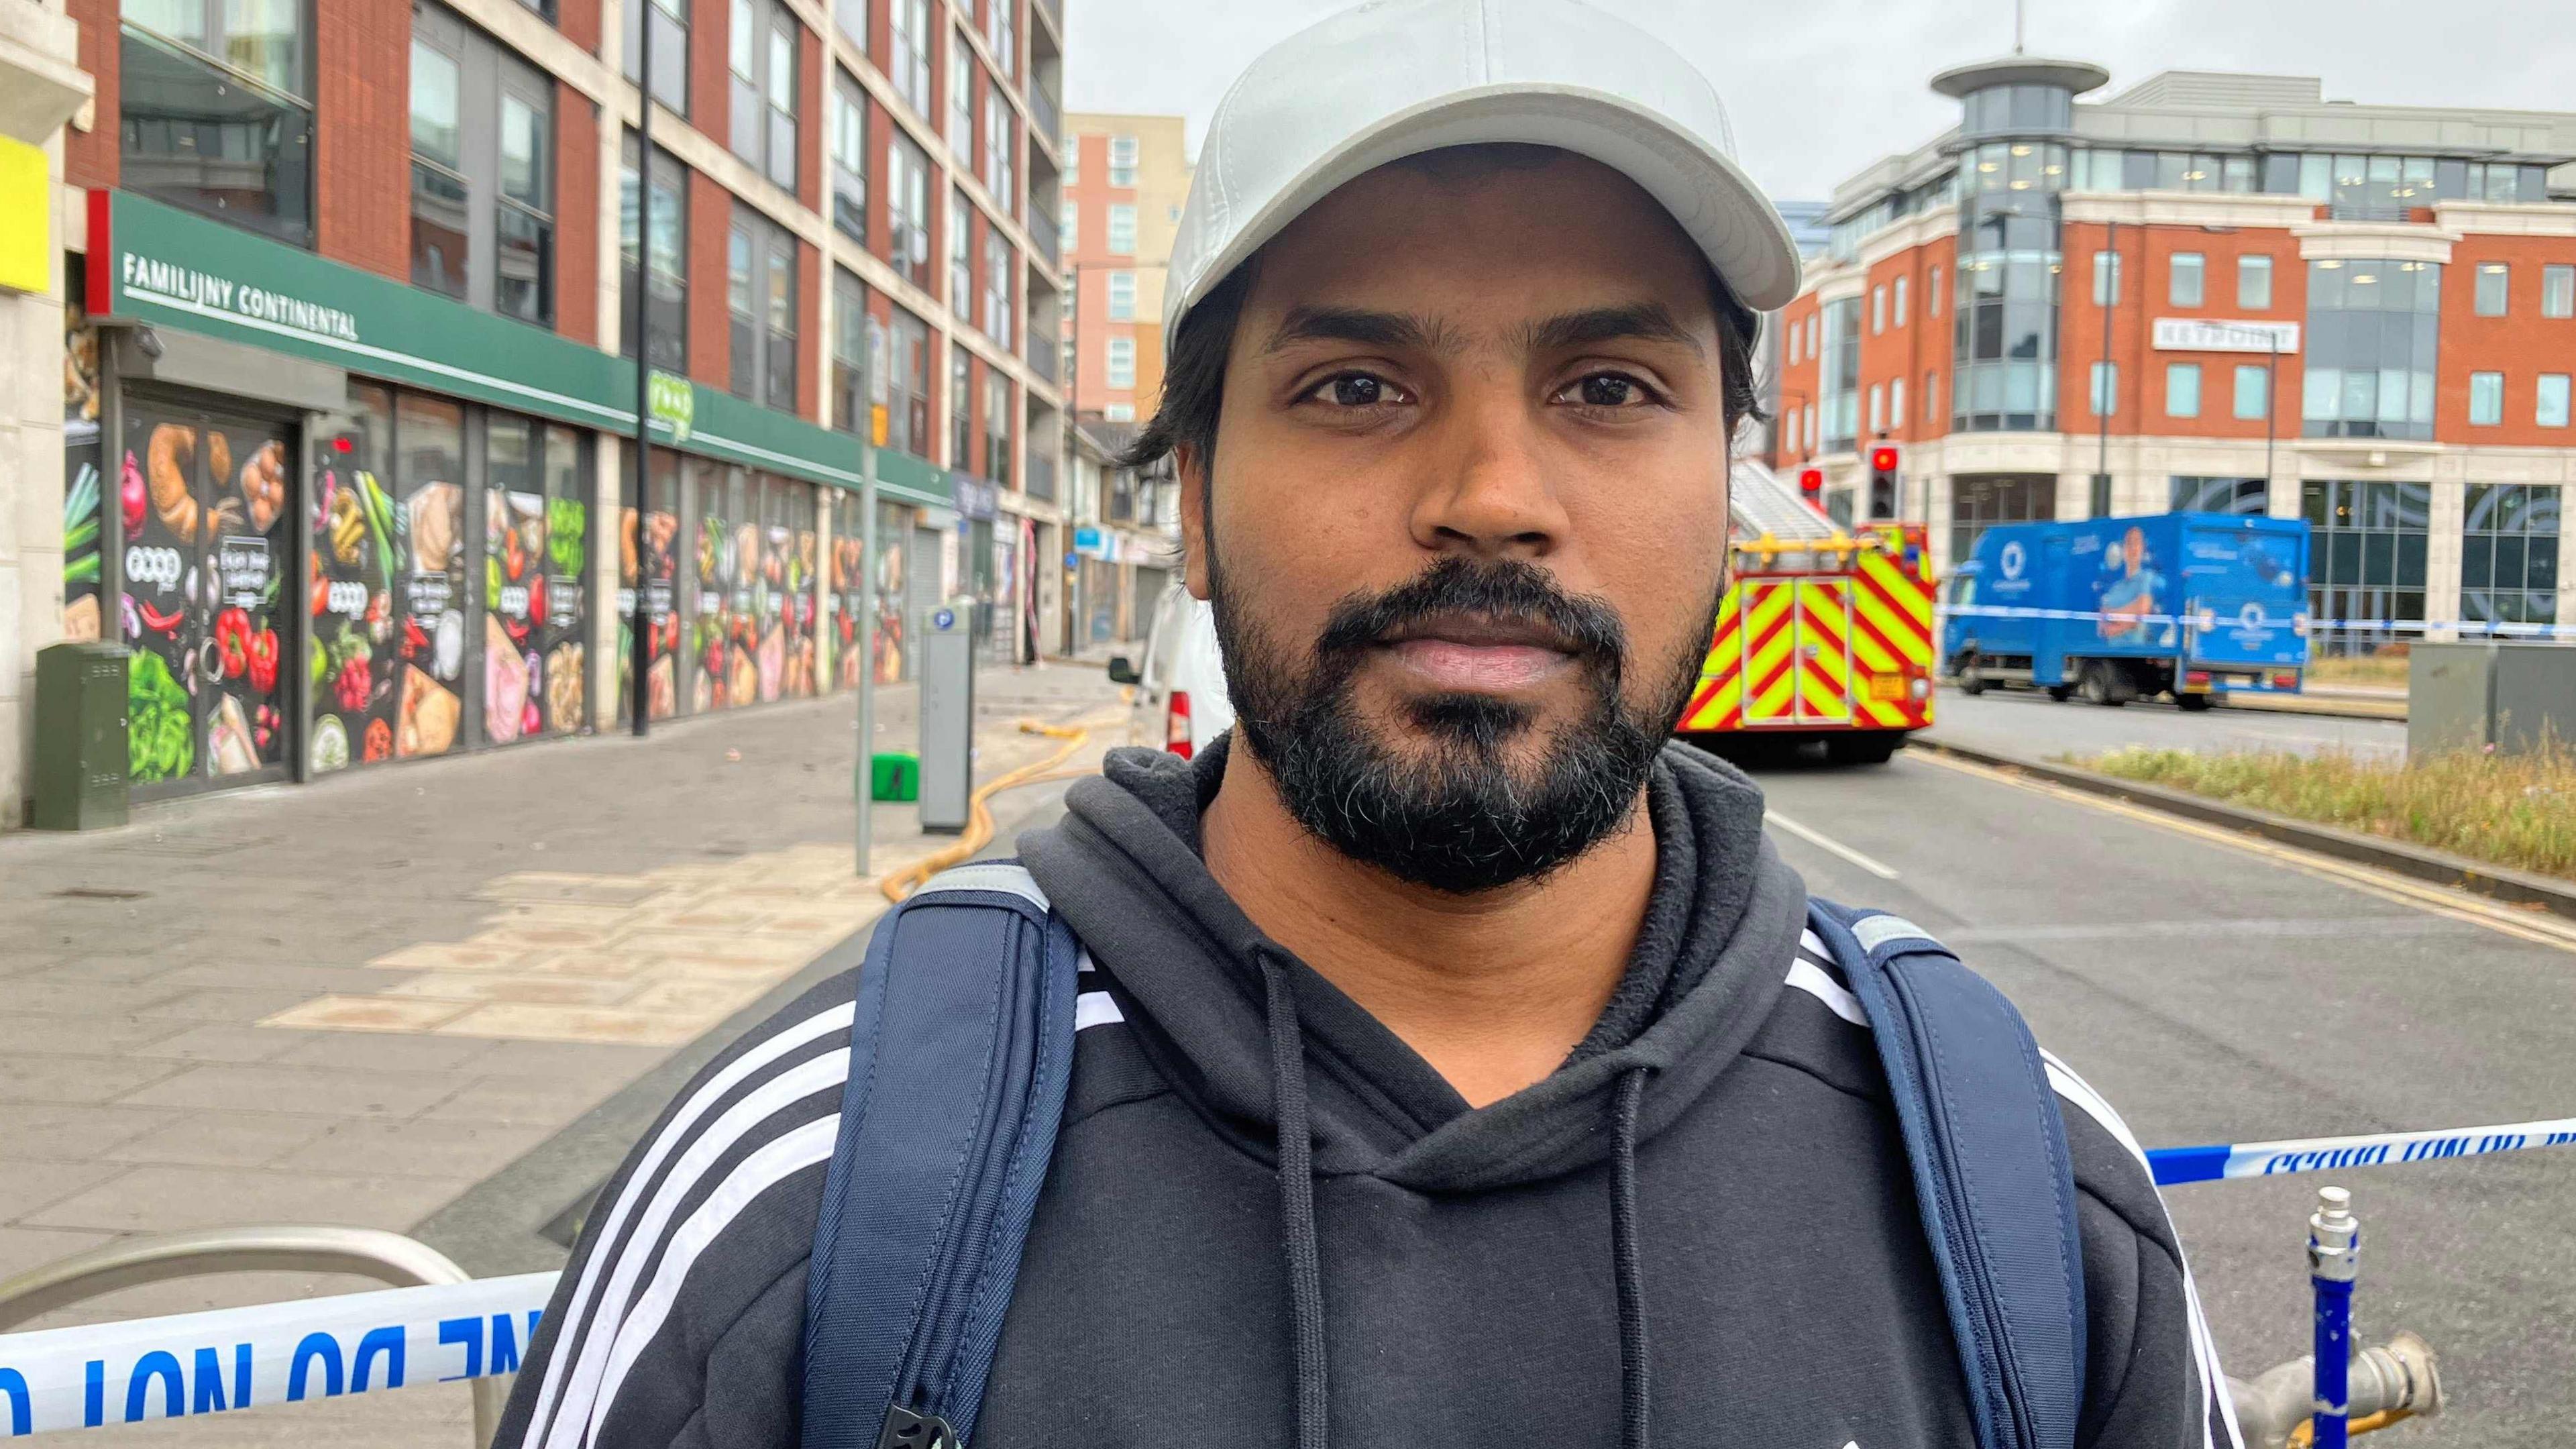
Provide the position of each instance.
(2334, 1261)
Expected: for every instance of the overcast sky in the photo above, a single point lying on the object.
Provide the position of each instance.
(1819, 88)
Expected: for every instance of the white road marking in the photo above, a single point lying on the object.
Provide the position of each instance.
(1822, 841)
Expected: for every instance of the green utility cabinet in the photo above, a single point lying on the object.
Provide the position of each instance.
(80, 780)
(895, 777)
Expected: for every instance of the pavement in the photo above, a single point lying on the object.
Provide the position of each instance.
(2026, 722)
(355, 1001)
(2217, 988)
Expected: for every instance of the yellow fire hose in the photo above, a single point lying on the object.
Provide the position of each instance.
(2306, 1434)
(979, 823)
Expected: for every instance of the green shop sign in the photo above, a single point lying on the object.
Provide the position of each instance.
(158, 264)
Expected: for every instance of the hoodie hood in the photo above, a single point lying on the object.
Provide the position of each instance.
(1723, 916)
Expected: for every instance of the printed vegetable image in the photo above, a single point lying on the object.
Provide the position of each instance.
(80, 528)
(354, 684)
(232, 643)
(566, 522)
(161, 731)
(380, 741)
(130, 497)
(330, 745)
(380, 519)
(262, 652)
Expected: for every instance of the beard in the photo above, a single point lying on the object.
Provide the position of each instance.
(1451, 809)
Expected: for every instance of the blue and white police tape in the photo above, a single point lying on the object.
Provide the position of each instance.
(274, 1353)
(2218, 1160)
(2211, 620)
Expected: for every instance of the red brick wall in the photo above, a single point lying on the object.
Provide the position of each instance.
(881, 129)
(1797, 379)
(2521, 344)
(362, 116)
(579, 20)
(1933, 324)
(576, 215)
(90, 157)
(710, 326)
(710, 82)
(813, 105)
(809, 325)
(1895, 353)
(2146, 291)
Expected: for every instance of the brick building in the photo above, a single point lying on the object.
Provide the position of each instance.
(355, 289)
(2212, 291)
(1126, 179)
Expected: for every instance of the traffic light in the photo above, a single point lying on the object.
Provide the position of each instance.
(1883, 493)
(1811, 487)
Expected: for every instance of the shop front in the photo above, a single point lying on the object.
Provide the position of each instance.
(343, 523)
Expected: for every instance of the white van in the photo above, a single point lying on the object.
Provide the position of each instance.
(1180, 701)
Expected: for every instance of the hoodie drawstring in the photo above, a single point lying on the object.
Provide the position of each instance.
(1297, 1206)
(1302, 1249)
(1627, 1261)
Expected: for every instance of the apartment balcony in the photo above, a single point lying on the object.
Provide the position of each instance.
(1047, 111)
(1041, 470)
(1045, 233)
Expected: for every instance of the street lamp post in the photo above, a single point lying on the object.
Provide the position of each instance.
(639, 655)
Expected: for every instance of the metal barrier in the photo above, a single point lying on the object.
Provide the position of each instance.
(199, 1363)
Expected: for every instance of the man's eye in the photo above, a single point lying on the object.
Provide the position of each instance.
(1357, 390)
(1608, 390)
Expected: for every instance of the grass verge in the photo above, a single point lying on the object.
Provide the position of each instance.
(2511, 810)
(2380, 669)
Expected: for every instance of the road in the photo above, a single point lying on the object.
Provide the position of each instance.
(2029, 723)
(2224, 990)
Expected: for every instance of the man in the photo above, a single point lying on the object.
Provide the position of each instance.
(1584, 1145)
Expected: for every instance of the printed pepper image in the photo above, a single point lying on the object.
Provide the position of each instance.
(263, 660)
(232, 642)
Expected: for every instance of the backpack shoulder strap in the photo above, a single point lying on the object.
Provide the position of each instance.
(961, 1049)
(1991, 1171)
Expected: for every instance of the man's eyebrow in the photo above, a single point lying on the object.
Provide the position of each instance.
(1642, 322)
(1359, 325)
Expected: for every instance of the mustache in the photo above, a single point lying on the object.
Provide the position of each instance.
(1503, 589)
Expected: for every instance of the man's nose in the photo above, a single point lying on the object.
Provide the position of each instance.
(1487, 490)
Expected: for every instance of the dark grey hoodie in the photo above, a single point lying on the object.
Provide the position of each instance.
(1483, 1279)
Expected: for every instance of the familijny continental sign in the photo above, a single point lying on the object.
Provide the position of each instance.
(158, 264)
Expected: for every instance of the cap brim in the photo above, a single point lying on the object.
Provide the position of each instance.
(1708, 195)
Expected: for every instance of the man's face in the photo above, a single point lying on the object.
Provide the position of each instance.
(1466, 523)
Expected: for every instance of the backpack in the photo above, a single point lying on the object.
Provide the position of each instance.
(961, 1051)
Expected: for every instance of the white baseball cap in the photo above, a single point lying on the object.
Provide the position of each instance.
(1395, 78)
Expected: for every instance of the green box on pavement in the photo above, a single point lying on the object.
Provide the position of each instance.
(897, 777)
(80, 779)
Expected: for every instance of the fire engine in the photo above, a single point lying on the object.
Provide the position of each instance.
(1825, 633)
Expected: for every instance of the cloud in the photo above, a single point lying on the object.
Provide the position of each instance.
(1821, 88)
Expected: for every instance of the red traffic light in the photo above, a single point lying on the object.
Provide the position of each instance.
(1882, 460)
(1811, 480)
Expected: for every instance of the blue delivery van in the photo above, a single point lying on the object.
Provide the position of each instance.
(2192, 605)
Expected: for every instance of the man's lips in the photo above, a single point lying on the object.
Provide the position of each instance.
(1463, 652)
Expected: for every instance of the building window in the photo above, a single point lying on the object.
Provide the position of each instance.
(2186, 273)
(2245, 497)
(2509, 554)
(2486, 399)
(1814, 319)
(1122, 362)
(1072, 162)
(2106, 279)
(2254, 284)
(2558, 291)
(1932, 306)
(849, 157)
(2106, 389)
(1877, 409)
(907, 207)
(760, 293)
(850, 326)
(1122, 160)
(2253, 391)
(961, 256)
(1789, 427)
(1896, 404)
(961, 408)
(2550, 411)
(2495, 283)
(2366, 560)
(997, 286)
(905, 383)
(1838, 375)
(670, 49)
(1877, 309)
(2182, 389)
(1932, 399)
(216, 114)
(1119, 413)
(667, 297)
(997, 426)
(2374, 336)
(1811, 430)
(1069, 229)
(1794, 338)
(1001, 27)
(961, 102)
(1122, 231)
(482, 171)
(1980, 501)
(1001, 172)
(909, 25)
(1122, 296)
(1900, 301)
